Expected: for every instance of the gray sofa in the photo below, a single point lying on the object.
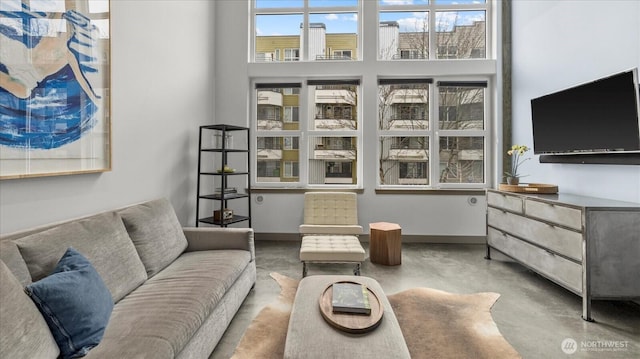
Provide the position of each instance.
(175, 289)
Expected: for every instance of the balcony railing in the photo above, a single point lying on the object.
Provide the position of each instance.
(408, 154)
(269, 125)
(337, 154)
(269, 154)
(410, 56)
(335, 124)
(333, 57)
(421, 124)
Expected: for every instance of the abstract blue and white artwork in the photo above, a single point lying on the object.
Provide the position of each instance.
(54, 87)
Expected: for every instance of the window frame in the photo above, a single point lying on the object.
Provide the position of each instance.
(433, 133)
(305, 10)
(467, 69)
(432, 7)
(291, 118)
(305, 132)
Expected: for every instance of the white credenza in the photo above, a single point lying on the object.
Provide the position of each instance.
(590, 246)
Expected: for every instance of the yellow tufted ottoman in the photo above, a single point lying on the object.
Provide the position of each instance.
(331, 249)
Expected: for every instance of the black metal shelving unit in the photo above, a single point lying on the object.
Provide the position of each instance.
(213, 166)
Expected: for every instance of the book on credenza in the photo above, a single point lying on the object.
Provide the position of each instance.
(352, 298)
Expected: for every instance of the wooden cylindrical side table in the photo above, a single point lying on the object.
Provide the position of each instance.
(385, 243)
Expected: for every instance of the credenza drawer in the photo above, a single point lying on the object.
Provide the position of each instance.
(562, 215)
(504, 201)
(556, 239)
(556, 268)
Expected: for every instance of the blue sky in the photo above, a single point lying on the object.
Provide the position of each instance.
(324, 3)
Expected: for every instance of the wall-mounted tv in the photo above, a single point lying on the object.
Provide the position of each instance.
(597, 117)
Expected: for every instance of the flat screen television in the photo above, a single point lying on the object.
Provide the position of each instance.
(592, 118)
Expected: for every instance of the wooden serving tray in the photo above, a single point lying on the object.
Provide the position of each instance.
(529, 188)
(351, 323)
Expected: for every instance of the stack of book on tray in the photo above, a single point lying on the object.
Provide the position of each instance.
(352, 298)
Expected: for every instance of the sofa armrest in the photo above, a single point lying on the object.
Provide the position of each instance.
(211, 238)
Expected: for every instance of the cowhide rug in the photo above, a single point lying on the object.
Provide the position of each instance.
(435, 324)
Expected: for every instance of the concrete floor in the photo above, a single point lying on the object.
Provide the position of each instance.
(532, 313)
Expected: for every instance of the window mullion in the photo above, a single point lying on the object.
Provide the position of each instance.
(433, 46)
(434, 141)
(304, 38)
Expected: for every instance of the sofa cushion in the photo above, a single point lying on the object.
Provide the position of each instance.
(164, 313)
(11, 256)
(156, 233)
(102, 238)
(75, 303)
(23, 331)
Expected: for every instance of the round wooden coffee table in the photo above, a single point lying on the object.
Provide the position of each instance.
(351, 323)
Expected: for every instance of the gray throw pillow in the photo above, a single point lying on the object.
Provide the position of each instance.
(23, 331)
(102, 238)
(156, 232)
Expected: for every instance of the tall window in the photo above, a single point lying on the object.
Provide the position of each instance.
(333, 129)
(436, 29)
(407, 133)
(311, 115)
(306, 29)
(278, 132)
(461, 132)
(404, 131)
(330, 133)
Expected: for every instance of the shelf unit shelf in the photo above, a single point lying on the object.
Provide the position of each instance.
(235, 219)
(211, 160)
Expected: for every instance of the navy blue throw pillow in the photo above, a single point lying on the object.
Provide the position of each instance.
(75, 303)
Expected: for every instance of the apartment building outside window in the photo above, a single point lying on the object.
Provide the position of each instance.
(278, 139)
(427, 30)
(416, 149)
(430, 132)
(306, 30)
(331, 132)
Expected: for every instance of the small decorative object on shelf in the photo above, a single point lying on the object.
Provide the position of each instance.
(227, 169)
(516, 152)
(223, 215)
(217, 141)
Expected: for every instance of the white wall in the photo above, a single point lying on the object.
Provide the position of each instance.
(163, 88)
(162, 61)
(558, 44)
